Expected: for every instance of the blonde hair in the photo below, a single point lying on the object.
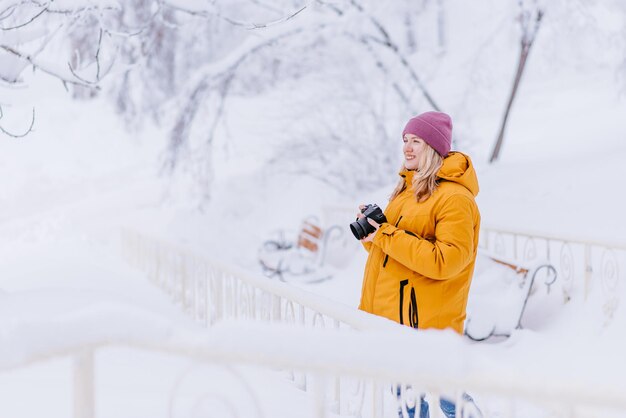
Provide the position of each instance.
(425, 177)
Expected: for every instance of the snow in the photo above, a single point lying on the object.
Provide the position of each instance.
(572, 186)
(70, 185)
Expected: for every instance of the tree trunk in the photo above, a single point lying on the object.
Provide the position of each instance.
(518, 76)
(528, 37)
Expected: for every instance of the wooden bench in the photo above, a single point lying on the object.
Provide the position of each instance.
(306, 257)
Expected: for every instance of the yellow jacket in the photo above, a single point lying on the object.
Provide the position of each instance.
(420, 263)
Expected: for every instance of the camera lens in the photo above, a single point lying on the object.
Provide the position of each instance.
(361, 228)
(357, 230)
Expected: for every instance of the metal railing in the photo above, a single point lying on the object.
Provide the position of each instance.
(376, 368)
(211, 293)
(588, 270)
(352, 364)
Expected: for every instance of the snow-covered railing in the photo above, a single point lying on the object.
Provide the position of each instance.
(357, 382)
(446, 362)
(587, 269)
(211, 292)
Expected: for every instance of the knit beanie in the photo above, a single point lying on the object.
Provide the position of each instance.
(435, 128)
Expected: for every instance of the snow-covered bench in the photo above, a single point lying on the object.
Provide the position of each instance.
(500, 293)
(310, 255)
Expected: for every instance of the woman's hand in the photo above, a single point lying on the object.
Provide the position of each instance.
(360, 215)
(375, 224)
(371, 236)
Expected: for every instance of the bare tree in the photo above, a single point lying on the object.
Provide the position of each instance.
(183, 79)
(29, 28)
(530, 20)
(92, 37)
(329, 33)
(382, 38)
(180, 63)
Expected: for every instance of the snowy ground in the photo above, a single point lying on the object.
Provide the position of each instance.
(63, 280)
(66, 189)
(60, 259)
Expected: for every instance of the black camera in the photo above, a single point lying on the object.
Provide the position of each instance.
(362, 228)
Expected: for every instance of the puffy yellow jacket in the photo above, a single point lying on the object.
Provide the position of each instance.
(421, 261)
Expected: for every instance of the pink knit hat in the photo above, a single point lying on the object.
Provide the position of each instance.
(435, 128)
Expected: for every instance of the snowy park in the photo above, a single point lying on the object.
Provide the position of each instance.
(178, 180)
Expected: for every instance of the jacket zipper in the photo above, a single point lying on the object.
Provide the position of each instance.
(413, 317)
(403, 283)
(387, 255)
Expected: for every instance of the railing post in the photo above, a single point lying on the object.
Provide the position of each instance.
(84, 384)
(218, 280)
(588, 270)
(377, 400)
(234, 298)
(319, 396)
(183, 284)
(435, 405)
(276, 308)
(300, 377)
(484, 239)
(336, 401)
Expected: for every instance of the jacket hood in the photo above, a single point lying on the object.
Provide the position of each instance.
(458, 167)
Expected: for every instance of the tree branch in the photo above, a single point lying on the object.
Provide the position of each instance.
(332, 7)
(526, 43)
(208, 78)
(8, 12)
(235, 22)
(388, 43)
(383, 68)
(29, 21)
(40, 67)
(83, 9)
(98, 56)
(82, 80)
(29, 130)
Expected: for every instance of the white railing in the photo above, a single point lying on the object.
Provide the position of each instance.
(350, 362)
(588, 270)
(212, 293)
(448, 365)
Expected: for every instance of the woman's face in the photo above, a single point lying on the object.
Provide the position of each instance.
(412, 149)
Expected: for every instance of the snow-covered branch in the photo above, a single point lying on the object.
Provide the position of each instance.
(203, 12)
(385, 40)
(216, 77)
(18, 135)
(530, 19)
(29, 21)
(47, 68)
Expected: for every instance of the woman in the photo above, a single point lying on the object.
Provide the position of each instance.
(421, 260)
